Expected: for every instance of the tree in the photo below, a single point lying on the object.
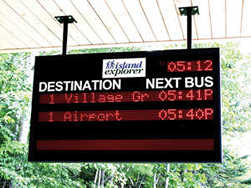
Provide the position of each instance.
(15, 91)
(234, 76)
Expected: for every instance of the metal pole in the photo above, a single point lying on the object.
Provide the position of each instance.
(189, 30)
(188, 12)
(65, 33)
(65, 20)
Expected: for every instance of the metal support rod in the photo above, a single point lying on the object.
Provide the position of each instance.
(189, 30)
(65, 20)
(65, 33)
(188, 12)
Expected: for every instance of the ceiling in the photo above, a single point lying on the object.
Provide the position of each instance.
(30, 24)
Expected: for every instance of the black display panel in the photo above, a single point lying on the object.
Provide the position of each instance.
(154, 106)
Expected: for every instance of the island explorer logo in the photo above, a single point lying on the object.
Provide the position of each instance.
(124, 68)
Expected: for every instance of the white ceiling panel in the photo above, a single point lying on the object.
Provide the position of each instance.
(123, 18)
(218, 18)
(31, 24)
(233, 22)
(246, 23)
(168, 10)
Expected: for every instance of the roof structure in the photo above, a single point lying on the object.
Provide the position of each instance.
(31, 24)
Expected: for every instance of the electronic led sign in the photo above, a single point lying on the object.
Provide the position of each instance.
(158, 106)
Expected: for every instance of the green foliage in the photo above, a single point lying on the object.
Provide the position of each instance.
(104, 50)
(138, 175)
(204, 175)
(180, 175)
(103, 174)
(227, 173)
(236, 95)
(17, 171)
(5, 135)
(15, 90)
(235, 112)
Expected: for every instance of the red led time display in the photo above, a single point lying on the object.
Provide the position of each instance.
(186, 66)
(161, 106)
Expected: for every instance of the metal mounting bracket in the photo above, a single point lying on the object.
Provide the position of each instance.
(65, 20)
(189, 12)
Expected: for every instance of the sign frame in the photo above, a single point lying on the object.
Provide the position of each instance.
(36, 155)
